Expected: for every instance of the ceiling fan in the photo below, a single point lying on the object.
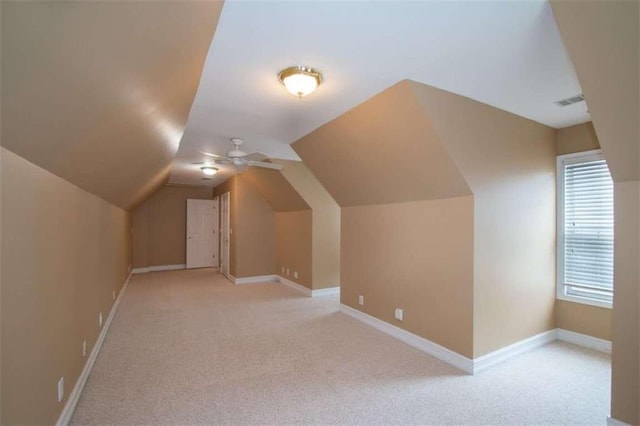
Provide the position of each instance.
(239, 158)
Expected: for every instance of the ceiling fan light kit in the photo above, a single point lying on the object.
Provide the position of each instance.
(300, 80)
(209, 171)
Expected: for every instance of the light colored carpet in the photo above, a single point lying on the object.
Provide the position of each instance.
(188, 347)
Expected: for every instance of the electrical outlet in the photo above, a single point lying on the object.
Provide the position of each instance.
(360, 300)
(84, 348)
(287, 271)
(100, 319)
(399, 314)
(113, 296)
(283, 269)
(60, 389)
(295, 274)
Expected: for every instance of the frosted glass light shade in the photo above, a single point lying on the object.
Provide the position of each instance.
(300, 81)
(209, 171)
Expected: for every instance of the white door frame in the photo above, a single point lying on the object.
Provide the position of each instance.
(225, 233)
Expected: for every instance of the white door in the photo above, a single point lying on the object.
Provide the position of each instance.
(201, 233)
(225, 231)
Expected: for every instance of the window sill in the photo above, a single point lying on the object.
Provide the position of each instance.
(585, 301)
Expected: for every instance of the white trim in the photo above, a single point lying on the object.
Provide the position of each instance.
(584, 340)
(615, 422)
(329, 291)
(255, 279)
(477, 365)
(74, 396)
(496, 357)
(583, 300)
(561, 161)
(295, 286)
(167, 267)
(307, 291)
(158, 268)
(450, 357)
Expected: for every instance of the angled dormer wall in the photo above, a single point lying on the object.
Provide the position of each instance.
(509, 164)
(406, 216)
(325, 224)
(448, 211)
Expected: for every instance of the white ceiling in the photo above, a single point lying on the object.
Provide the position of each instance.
(506, 54)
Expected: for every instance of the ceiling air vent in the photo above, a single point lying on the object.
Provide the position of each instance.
(570, 101)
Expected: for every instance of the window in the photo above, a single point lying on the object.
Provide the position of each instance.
(585, 229)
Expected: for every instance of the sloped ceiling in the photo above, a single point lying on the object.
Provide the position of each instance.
(307, 185)
(507, 54)
(99, 93)
(275, 189)
(603, 41)
(488, 145)
(383, 151)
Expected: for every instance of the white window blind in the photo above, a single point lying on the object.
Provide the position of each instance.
(586, 261)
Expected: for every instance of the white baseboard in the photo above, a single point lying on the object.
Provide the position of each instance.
(255, 279)
(307, 291)
(615, 422)
(496, 357)
(329, 291)
(167, 267)
(74, 396)
(584, 340)
(477, 365)
(158, 268)
(295, 286)
(450, 357)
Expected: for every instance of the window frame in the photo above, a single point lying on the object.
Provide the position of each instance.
(561, 161)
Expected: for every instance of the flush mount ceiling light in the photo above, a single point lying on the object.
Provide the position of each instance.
(209, 171)
(300, 81)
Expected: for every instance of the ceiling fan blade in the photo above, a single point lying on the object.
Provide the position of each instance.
(223, 161)
(265, 165)
(255, 156)
(215, 155)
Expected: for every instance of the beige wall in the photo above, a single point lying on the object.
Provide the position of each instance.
(294, 246)
(275, 189)
(578, 138)
(578, 317)
(64, 251)
(254, 233)
(417, 256)
(586, 319)
(253, 225)
(509, 164)
(603, 42)
(159, 226)
(325, 223)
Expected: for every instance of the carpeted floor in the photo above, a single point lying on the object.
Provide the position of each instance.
(188, 347)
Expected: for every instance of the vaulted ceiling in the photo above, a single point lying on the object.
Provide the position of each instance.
(119, 97)
(505, 54)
